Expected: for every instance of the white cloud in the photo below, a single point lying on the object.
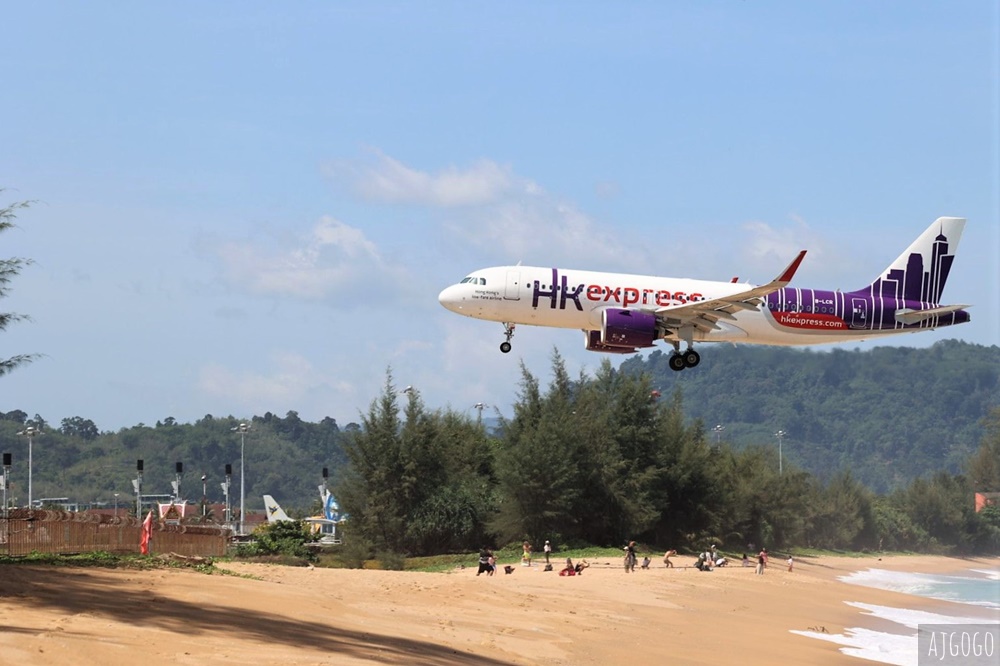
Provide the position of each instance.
(331, 258)
(541, 228)
(292, 383)
(491, 208)
(770, 248)
(388, 180)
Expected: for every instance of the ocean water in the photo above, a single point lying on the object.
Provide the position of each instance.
(976, 597)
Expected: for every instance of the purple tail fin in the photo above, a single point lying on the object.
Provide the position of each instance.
(920, 273)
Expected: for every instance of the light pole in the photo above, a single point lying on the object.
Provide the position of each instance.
(204, 496)
(6, 474)
(176, 483)
(30, 432)
(116, 506)
(780, 435)
(718, 429)
(225, 491)
(137, 484)
(480, 406)
(243, 429)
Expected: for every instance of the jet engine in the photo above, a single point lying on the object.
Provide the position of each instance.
(623, 331)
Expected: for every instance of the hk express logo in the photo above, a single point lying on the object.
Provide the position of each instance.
(560, 294)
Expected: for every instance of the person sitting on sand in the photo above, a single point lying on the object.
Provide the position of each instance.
(581, 565)
(645, 562)
(704, 562)
(666, 558)
(569, 569)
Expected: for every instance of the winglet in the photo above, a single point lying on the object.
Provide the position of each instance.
(789, 273)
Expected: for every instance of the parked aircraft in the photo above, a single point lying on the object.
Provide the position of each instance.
(325, 526)
(275, 514)
(620, 313)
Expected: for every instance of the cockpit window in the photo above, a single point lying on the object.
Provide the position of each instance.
(482, 281)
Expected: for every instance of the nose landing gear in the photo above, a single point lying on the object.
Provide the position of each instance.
(508, 330)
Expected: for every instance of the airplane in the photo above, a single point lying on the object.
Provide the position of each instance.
(275, 514)
(325, 525)
(621, 313)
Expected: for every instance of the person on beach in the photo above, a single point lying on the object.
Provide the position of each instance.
(666, 558)
(569, 569)
(790, 561)
(484, 561)
(761, 562)
(525, 554)
(548, 550)
(746, 560)
(493, 565)
(645, 562)
(630, 557)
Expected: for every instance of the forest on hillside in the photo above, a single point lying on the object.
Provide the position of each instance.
(599, 459)
(888, 415)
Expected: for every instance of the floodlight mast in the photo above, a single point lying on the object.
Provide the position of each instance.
(780, 435)
(30, 432)
(6, 475)
(225, 491)
(718, 430)
(243, 429)
(137, 485)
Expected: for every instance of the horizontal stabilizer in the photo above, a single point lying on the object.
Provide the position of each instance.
(911, 316)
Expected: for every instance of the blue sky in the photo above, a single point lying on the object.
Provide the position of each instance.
(251, 207)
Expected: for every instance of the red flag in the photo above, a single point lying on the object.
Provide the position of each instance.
(147, 533)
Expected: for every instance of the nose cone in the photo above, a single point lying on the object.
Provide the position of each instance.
(452, 298)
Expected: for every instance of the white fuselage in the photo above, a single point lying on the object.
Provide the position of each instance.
(569, 298)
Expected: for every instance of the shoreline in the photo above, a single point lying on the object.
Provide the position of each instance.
(887, 632)
(273, 614)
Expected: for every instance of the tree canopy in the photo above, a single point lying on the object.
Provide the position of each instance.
(9, 269)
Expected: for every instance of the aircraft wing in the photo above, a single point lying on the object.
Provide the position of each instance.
(704, 314)
(910, 316)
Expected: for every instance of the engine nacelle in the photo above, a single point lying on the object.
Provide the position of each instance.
(623, 331)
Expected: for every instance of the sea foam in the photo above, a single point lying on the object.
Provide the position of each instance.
(980, 594)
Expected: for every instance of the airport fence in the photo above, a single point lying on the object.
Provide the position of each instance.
(26, 531)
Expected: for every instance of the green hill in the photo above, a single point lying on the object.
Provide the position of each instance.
(889, 414)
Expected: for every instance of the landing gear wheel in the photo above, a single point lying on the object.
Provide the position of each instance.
(691, 358)
(676, 362)
(508, 331)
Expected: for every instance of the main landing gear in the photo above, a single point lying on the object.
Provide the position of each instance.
(508, 330)
(688, 359)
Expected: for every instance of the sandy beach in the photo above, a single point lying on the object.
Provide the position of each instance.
(282, 615)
